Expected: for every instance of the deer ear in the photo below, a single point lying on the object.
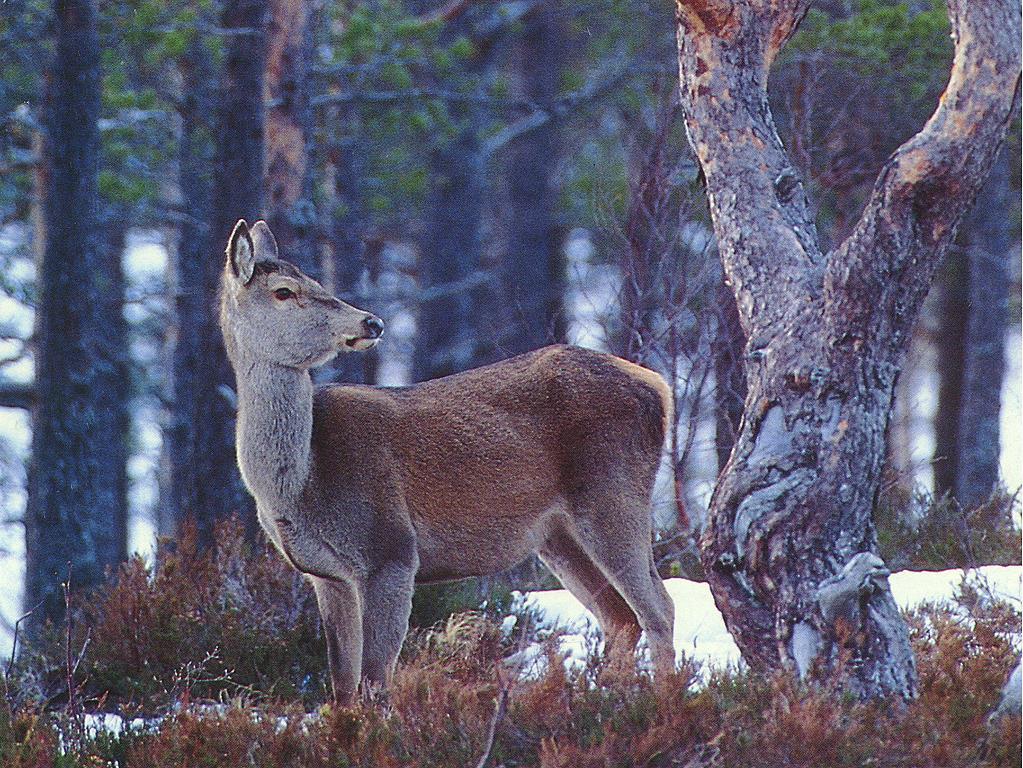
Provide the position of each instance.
(264, 241)
(241, 252)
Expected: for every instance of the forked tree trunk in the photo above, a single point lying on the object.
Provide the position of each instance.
(790, 548)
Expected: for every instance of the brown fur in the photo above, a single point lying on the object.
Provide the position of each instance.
(369, 489)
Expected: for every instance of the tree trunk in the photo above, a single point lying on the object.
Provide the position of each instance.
(533, 267)
(450, 327)
(988, 244)
(76, 506)
(289, 179)
(114, 391)
(447, 338)
(237, 194)
(729, 348)
(347, 245)
(951, 345)
(191, 389)
(790, 548)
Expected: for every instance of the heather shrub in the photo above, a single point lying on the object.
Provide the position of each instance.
(224, 649)
(920, 532)
(235, 620)
(618, 718)
(205, 625)
(27, 740)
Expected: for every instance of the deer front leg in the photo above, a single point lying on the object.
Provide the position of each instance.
(387, 605)
(341, 611)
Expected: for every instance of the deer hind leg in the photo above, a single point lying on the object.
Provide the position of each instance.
(614, 530)
(341, 611)
(388, 603)
(575, 570)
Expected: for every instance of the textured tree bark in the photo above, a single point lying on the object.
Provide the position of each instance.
(183, 491)
(790, 549)
(950, 350)
(289, 181)
(237, 193)
(447, 336)
(988, 245)
(76, 505)
(729, 349)
(533, 266)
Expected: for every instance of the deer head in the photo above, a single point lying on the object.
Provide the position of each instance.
(271, 312)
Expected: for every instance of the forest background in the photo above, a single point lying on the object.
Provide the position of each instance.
(487, 177)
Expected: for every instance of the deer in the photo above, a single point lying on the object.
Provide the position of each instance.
(369, 491)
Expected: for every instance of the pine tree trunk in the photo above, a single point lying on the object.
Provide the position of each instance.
(76, 505)
(790, 550)
(533, 267)
(184, 493)
(449, 335)
(953, 284)
(115, 391)
(289, 179)
(237, 194)
(447, 339)
(348, 246)
(988, 245)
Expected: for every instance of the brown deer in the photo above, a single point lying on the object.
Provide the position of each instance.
(370, 490)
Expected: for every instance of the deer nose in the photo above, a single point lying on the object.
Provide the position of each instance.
(373, 326)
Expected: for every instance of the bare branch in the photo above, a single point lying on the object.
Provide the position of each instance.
(513, 130)
(447, 13)
(469, 283)
(620, 70)
(412, 95)
(16, 395)
(931, 181)
(504, 683)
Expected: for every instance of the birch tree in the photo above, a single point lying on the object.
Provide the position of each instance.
(790, 547)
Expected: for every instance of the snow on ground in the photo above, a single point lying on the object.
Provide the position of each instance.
(700, 632)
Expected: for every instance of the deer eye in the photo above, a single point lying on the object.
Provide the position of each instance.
(283, 294)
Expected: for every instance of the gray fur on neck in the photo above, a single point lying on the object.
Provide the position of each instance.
(275, 426)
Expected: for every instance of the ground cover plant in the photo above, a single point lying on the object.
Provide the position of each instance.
(215, 659)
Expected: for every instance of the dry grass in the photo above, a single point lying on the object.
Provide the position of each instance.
(239, 629)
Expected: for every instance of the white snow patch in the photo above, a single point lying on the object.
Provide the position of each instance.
(911, 588)
(700, 631)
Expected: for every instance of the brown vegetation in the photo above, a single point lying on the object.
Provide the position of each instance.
(224, 649)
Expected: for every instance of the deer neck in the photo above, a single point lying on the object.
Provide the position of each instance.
(275, 427)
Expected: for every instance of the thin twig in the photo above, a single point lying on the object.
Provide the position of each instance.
(14, 641)
(500, 709)
(504, 685)
(9, 670)
(68, 623)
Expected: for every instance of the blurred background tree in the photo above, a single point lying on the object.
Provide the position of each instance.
(488, 177)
